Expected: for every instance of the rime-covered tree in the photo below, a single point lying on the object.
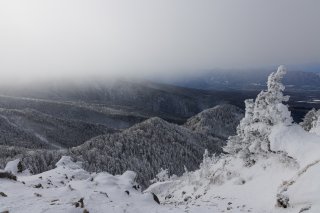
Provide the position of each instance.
(239, 143)
(310, 119)
(261, 115)
(316, 125)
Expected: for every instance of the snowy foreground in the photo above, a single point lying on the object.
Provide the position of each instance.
(272, 165)
(68, 188)
(220, 185)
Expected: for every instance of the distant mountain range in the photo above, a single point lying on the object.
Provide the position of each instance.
(66, 116)
(55, 117)
(247, 80)
(33, 129)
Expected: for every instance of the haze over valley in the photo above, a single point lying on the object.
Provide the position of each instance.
(171, 106)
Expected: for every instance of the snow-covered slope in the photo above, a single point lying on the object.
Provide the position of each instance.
(145, 148)
(276, 183)
(219, 121)
(68, 188)
(145, 141)
(33, 129)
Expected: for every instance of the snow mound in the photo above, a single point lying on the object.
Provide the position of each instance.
(296, 142)
(69, 188)
(66, 161)
(13, 166)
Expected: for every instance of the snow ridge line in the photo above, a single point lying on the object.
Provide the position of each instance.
(283, 199)
(285, 185)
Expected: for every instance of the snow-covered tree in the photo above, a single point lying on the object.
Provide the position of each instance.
(162, 176)
(240, 141)
(261, 115)
(310, 119)
(316, 125)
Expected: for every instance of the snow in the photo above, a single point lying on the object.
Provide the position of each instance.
(12, 166)
(238, 188)
(296, 142)
(227, 183)
(61, 188)
(220, 185)
(305, 189)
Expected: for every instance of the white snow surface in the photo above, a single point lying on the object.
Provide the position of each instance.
(61, 188)
(12, 166)
(296, 142)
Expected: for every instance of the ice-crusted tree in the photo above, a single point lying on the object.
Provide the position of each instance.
(261, 115)
(240, 142)
(162, 176)
(310, 119)
(316, 125)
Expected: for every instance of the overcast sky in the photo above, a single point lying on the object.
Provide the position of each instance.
(63, 38)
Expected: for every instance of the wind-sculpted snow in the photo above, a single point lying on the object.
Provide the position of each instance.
(296, 142)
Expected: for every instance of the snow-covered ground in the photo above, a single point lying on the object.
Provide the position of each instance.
(68, 188)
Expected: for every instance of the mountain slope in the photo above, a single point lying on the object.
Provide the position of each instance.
(12, 135)
(144, 98)
(32, 129)
(219, 121)
(145, 148)
(153, 143)
(78, 111)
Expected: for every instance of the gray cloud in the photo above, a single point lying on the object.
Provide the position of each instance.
(67, 38)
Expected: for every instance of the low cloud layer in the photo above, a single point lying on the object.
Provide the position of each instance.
(86, 38)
